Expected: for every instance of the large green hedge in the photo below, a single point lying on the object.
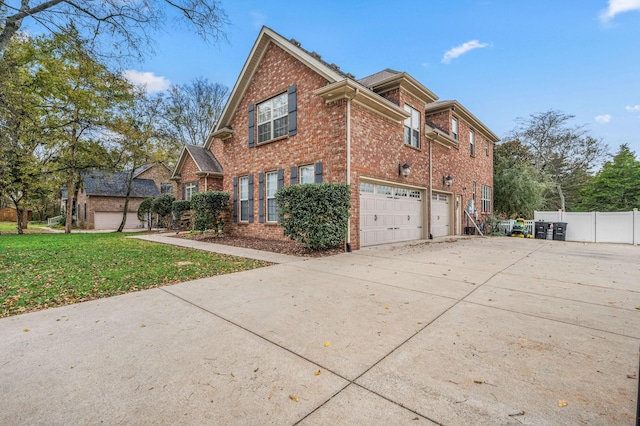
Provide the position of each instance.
(207, 207)
(315, 214)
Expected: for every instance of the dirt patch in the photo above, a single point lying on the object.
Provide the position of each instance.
(275, 246)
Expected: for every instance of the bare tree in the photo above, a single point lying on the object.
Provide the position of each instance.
(118, 28)
(192, 109)
(566, 154)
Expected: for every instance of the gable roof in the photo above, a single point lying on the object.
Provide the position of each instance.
(114, 184)
(204, 160)
(464, 113)
(389, 79)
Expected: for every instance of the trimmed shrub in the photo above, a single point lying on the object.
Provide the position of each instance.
(180, 206)
(162, 207)
(144, 211)
(207, 207)
(315, 214)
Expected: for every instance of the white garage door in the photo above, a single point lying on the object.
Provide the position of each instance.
(440, 214)
(111, 220)
(389, 214)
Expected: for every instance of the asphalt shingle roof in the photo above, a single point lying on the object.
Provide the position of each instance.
(204, 159)
(114, 184)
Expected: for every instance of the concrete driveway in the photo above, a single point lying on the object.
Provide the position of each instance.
(493, 331)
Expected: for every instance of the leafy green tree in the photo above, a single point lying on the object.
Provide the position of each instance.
(117, 28)
(80, 96)
(616, 187)
(566, 154)
(22, 136)
(162, 206)
(518, 187)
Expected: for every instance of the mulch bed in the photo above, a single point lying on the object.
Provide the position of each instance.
(275, 246)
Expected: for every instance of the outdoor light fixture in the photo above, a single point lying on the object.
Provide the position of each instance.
(404, 169)
(447, 180)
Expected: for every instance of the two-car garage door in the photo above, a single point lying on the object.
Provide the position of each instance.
(389, 214)
(111, 220)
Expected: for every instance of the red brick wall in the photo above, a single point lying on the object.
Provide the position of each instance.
(377, 144)
(320, 136)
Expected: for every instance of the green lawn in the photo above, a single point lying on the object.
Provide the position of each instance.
(12, 228)
(39, 271)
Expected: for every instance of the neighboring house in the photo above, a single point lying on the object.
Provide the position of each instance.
(413, 162)
(100, 200)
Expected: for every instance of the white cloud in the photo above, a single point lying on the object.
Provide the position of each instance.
(634, 108)
(152, 83)
(603, 119)
(462, 49)
(618, 6)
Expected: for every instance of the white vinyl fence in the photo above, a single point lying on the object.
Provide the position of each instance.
(597, 227)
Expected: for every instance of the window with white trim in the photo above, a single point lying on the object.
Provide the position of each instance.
(244, 198)
(472, 143)
(271, 186)
(454, 128)
(166, 188)
(486, 147)
(190, 189)
(486, 199)
(273, 118)
(412, 127)
(307, 174)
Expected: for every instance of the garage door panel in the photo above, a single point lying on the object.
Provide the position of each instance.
(399, 217)
(440, 213)
(111, 220)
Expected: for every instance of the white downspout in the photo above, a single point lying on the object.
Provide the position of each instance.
(349, 160)
(430, 188)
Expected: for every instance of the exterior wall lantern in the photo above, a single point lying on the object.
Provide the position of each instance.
(404, 169)
(447, 180)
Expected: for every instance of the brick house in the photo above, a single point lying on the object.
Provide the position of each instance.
(101, 197)
(413, 163)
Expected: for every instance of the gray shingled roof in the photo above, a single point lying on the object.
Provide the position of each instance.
(141, 169)
(204, 159)
(114, 184)
(371, 80)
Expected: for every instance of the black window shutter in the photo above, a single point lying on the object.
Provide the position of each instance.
(183, 191)
(235, 199)
(251, 125)
(293, 110)
(280, 178)
(294, 175)
(318, 172)
(196, 186)
(250, 198)
(261, 197)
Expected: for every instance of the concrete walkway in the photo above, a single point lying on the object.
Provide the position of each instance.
(494, 331)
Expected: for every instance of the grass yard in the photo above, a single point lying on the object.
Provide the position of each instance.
(40, 271)
(12, 228)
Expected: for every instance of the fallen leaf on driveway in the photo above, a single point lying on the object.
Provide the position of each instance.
(562, 403)
(327, 344)
(386, 307)
(294, 398)
(478, 382)
(26, 330)
(632, 376)
(317, 373)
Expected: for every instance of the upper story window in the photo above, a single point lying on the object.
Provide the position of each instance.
(273, 120)
(166, 188)
(190, 189)
(412, 127)
(244, 198)
(271, 186)
(472, 143)
(307, 174)
(454, 128)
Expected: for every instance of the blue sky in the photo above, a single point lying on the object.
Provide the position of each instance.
(502, 59)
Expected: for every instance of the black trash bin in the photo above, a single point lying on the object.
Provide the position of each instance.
(560, 231)
(540, 230)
